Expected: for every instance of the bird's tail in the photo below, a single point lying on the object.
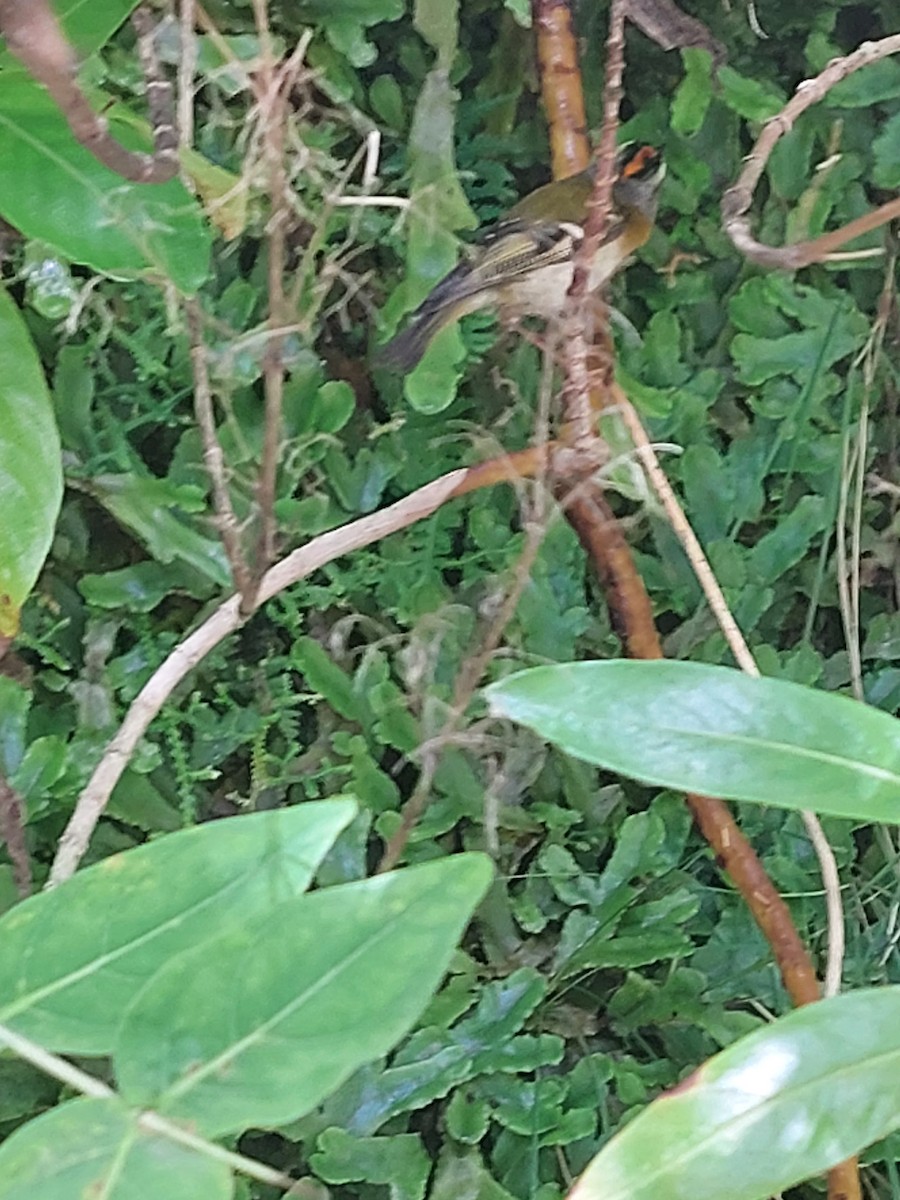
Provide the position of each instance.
(404, 351)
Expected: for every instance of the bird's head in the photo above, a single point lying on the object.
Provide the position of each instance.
(641, 170)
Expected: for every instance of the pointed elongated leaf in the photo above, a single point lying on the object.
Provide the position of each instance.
(776, 1107)
(714, 730)
(259, 1025)
(96, 1148)
(30, 468)
(71, 960)
(87, 24)
(53, 189)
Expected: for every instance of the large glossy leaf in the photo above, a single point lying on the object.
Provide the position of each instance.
(259, 1025)
(778, 1106)
(53, 189)
(71, 960)
(96, 1148)
(714, 730)
(30, 470)
(90, 23)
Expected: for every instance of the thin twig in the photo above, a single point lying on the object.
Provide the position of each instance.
(272, 116)
(686, 536)
(213, 457)
(847, 565)
(160, 101)
(853, 474)
(187, 66)
(12, 831)
(579, 411)
(561, 89)
(834, 906)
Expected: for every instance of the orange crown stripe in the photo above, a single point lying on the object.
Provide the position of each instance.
(643, 157)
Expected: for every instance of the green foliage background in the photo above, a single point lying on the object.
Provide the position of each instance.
(611, 957)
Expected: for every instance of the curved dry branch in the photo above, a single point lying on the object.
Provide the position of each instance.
(225, 620)
(737, 199)
(664, 23)
(35, 37)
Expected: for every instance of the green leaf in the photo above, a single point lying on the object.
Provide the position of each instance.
(759, 359)
(138, 588)
(438, 207)
(713, 730)
(30, 470)
(66, 978)
(153, 509)
(324, 676)
(334, 405)
(53, 189)
(749, 98)
(789, 540)
(438, 23)
(257, 1026)
(400, 1161)
(527, 1107)
(95, 1147)
(89, 25)
(709, 492)
(433, 1062)
(468, 1117)
(15, 702)
(789, 168)
(755, 308)
(872, 85)
(344, 22)
(521, 11)
(23, 1088)
(785, 1103)
(630, 950)
(886, 149)
(694, 93)
(462, 1176)
(364, 12)
(431, 385)
(136, 801)
(386, 99)
(42, 765)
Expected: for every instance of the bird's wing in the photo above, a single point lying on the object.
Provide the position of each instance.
(505, 252)
(518, 246)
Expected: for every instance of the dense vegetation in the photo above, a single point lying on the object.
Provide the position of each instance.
(610, 956)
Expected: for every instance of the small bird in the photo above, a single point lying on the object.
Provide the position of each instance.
(524, 263)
